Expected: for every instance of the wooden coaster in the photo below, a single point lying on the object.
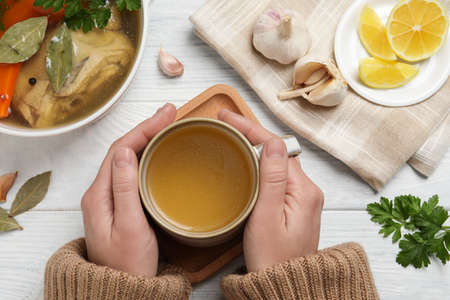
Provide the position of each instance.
(201, 263)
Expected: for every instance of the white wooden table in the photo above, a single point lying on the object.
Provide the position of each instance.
(75, 158)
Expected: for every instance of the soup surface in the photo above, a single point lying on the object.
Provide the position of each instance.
(200, 178)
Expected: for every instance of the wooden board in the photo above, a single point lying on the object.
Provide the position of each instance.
(201, 263)
(210, 102)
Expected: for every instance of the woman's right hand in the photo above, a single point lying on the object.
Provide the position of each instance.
(285, 222)
(118, 234)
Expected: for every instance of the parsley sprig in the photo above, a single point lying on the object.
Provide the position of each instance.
(424, 235)
(87, 14)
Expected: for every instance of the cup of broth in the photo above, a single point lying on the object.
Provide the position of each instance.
(199, 180)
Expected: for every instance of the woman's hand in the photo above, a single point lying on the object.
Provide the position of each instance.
(117, 232)
(285, 222)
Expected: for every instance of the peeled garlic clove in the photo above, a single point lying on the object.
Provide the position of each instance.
(306, 66)
(330, 93)
(169, 64)
(281, 35)
(316, 76)
(301, 92)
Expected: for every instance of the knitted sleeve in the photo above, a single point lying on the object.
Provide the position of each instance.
(336, 273)
(69, 276)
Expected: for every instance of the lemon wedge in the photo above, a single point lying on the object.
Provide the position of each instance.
(372, 34)
(417, 29)
(380, 74)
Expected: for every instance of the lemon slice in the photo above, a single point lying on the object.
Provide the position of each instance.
(417, 29)
(380, 74)
(372, 34)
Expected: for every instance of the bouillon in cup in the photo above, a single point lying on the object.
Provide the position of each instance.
(199, 180)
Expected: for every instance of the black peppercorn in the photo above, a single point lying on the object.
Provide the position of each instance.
(32, 81)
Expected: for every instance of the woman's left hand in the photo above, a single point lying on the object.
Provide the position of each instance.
(117, 232)
(285, 223)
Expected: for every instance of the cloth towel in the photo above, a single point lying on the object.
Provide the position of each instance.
(373, 140)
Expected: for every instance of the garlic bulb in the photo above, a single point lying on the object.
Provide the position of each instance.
(281, 35)
(318, 81)
(169, 64)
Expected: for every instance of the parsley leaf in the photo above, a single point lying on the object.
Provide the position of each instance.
(81, 20)
(101, 16)
(128, 4)
(71, 9)
(437, 246)
(414, 251)
(427, 237)
(97, 3)
(87, 14)
(46, 4)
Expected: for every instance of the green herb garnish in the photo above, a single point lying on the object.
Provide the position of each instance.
(128, 4)
(3, 7)
(427, 236)
(88, 14)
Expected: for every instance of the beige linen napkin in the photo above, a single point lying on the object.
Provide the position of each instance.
(428, 156)
(373, 140)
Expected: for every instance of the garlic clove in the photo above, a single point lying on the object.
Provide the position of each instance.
(318, 81)
(330, 93)
(306, 66)
(281, 35)
(300, 92)
(169, 64)
(316, 76)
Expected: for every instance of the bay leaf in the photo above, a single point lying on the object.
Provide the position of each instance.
(59, 57)
(30, 194)
(6, 182)
(22, 40)
(8, 223)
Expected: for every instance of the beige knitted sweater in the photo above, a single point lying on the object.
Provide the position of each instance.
(336, 273)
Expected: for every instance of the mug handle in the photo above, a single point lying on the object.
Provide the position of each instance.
(292, 145)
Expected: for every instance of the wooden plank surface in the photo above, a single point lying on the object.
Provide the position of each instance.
(74, 159)
(23, 256)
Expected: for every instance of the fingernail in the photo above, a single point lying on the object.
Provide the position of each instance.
(276, 148)
(165, 108)
(122, 157)
(222, 113)
(236, 116)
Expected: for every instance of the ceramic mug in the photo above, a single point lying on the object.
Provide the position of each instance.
(221, 235)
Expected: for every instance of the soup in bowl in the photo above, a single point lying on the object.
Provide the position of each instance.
(103, 64)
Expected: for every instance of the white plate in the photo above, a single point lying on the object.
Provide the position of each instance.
(349, 51)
